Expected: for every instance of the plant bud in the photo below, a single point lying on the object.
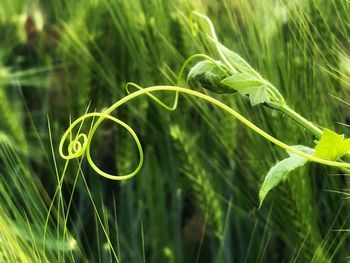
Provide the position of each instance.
(208, 74)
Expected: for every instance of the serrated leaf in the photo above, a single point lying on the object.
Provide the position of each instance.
(280, 170)
(237, 61)
(332, 146)
(260, 95)
(247, 84)
(208, 75)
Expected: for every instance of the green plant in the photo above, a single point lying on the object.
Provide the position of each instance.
(197, 196)
(231, 74)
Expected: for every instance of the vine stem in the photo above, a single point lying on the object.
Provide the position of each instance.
(308, 125)
(147, 91)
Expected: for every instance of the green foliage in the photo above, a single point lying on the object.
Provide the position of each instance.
(281, 170)
(332, 146)
(209, 75)
(247, 84)
(238, 62)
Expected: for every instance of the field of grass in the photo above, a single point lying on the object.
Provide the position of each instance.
(196, 196)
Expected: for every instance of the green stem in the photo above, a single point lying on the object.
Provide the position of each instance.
(308, 125)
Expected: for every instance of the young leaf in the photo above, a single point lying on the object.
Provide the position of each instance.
(237, 61)
(208, 74)
(280, 170)
(332, 145)
(241, 81)
(247, 84)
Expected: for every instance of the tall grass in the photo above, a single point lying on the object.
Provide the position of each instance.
(196, 198)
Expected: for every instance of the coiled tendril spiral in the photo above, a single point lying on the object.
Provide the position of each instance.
(80, 145)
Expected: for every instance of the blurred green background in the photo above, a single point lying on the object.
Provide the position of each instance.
(196, 198)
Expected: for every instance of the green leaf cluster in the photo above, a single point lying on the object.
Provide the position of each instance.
(234, 74)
